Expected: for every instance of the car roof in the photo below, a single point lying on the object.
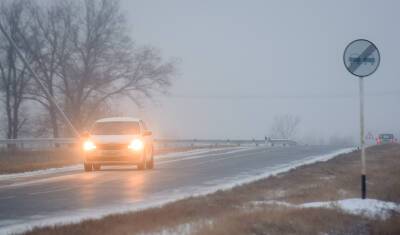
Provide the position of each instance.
(118, 119)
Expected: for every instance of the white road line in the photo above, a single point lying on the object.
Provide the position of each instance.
(201, 156)
(189, 153)
(7, 197)
(38, 181)
(225, 158)
(50, 191)
(40, 172)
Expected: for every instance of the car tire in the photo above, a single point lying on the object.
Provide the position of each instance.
(142, 166)
(97, 167)
(150, 163)
(87, 167)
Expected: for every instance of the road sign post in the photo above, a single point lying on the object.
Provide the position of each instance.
(362, 141)
(361, 58)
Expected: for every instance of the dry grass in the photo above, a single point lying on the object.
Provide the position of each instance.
(228, 212)
(20, 161)
(280, 220)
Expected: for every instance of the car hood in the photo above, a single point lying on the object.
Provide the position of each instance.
(113, 139)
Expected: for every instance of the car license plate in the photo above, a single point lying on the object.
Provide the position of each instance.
(110, 153)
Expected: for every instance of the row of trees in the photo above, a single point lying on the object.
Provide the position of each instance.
(83, 54)
(284, 126)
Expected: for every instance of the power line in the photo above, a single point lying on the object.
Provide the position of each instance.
(302, 96)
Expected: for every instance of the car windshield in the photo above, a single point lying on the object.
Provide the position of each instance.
(387, 136)
(115, 128)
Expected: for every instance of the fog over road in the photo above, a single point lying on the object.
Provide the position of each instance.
(74, 194)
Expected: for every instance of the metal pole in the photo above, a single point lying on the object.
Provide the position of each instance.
(41, 85)
(362, 142)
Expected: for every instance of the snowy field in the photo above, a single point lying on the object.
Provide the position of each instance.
(371, 208)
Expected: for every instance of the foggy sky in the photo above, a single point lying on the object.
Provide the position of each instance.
(244, 62)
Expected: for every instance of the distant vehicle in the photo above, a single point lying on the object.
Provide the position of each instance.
(385, 139)
(118, 141)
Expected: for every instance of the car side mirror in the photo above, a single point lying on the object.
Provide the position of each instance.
(85, 135)
(147, 133)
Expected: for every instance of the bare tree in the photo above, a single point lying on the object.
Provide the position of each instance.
(107, 64)
(48, 46)
(284, 126)
(87, 59)
(14, 77)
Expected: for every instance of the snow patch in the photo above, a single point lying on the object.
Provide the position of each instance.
(182, 229)
(41, 172)
(371, 208)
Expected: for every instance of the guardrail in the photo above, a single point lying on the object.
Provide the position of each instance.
(51, 143)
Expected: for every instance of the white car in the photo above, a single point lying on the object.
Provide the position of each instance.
(118, 141)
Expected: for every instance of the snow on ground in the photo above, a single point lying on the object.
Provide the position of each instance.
(41, 172)
(371, 208)
(182, 229)
(167, 196)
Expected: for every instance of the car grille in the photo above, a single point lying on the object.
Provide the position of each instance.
(112, 146)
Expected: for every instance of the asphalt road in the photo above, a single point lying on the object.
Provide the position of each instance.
(74, 194)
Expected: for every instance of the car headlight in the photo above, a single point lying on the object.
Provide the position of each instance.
(136, 145)
(88, 145)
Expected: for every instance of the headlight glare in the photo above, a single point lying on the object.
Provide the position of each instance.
(136, 145)
(88, 145)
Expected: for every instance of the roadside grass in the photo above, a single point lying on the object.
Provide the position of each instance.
(21, 161)
(228, 212)
(30, 160)
(283, 220)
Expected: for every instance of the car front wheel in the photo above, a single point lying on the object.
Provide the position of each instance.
(142, 164)
(97, 167)
(87, 167)
(150, 163)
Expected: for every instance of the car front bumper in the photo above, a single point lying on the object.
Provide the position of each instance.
(113, 157)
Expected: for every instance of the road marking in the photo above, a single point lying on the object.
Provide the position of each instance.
(43, 172)
(40, 180)
(201, 156)
(51, 191)
(7, 197)
(225, 158)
